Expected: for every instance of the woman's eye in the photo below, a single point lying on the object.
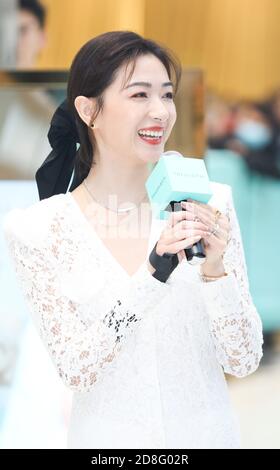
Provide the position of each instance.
(143, 94)
(140, 94)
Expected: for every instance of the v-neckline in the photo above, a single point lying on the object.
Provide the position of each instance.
(91, 230)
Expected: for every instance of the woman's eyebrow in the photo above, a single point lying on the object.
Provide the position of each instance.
(146, 84)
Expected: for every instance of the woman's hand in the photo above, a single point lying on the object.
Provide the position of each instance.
(216, 239)
(181, 232)
(186, 227)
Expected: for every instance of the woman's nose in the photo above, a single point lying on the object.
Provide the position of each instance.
(159, 111)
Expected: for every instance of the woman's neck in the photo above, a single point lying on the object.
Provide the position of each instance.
(125, 185)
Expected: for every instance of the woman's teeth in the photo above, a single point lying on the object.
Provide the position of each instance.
(156, 134)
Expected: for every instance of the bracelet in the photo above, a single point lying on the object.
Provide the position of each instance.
(206, 278)
(163, 265)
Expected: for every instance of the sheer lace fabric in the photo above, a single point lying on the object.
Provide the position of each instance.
(144, 359)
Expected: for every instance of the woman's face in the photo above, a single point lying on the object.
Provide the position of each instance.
(138, 115)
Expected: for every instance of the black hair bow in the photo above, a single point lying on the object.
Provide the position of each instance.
(54, 175)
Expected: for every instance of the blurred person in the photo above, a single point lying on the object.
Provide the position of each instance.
(252, 128)
(124, 340)
(219, 121)
(25, 112)
(253, 136)
(31, 33)
(272, 105)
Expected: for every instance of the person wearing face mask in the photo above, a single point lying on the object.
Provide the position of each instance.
(218, 121)
(255, 139)
(145, 357)
(254, 135)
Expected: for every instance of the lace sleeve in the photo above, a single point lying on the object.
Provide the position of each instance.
(235, 324)
(80, 353)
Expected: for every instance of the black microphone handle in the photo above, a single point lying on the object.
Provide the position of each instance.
(195, 254)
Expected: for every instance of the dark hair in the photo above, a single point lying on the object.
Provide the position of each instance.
(94, 68)
(36, 8)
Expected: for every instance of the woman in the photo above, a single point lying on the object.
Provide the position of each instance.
(143, 357)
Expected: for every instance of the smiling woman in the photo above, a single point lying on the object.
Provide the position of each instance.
(124, 112)
(124, 340)
(130, 112)
(129, 88)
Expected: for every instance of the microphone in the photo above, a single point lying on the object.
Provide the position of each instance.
(176, 178)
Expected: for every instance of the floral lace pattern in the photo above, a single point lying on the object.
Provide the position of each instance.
(133, 344)
(80, 352)
(235, 324)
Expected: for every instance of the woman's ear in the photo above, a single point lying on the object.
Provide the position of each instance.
(85, 108)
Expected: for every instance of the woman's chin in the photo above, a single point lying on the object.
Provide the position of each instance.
(152, 155)
(151, 158)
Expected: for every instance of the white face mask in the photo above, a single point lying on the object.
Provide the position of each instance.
(253, 134)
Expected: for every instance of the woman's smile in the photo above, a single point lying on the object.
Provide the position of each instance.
(152, 135)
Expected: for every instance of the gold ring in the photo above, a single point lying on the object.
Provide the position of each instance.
(217, 215)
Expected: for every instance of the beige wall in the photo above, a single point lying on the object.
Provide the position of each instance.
(234, 41)
(73, 22)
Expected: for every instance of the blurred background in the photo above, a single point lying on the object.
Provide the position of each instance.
(228, 109)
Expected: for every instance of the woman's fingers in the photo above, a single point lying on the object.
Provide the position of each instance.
(186, 243)
(173, 245)
(186, 228)
(178, 216)
(194, 222)
(181, 255)
(203, 214)
(207, 214)
(192, 211)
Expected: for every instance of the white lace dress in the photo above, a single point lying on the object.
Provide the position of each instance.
(144, 359)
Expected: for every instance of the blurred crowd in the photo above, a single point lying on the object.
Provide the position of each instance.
(250, 129)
